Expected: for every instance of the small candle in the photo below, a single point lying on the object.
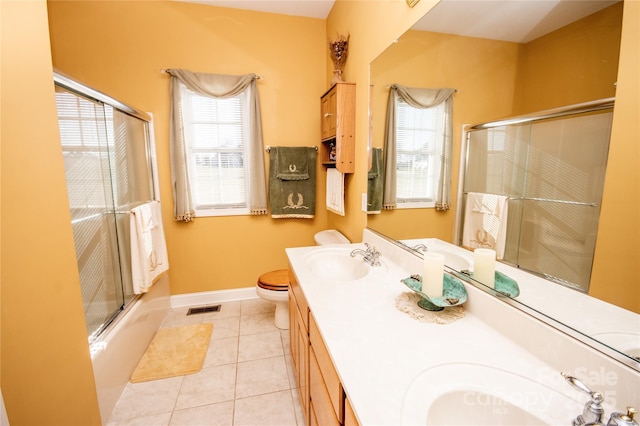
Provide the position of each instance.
(433, 274)
(484, 266)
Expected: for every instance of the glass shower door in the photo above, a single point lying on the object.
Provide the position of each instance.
(552, 171)
(85, 145)
(566, 164)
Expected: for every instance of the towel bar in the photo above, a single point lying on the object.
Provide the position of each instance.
(268, 148)
(550, 200)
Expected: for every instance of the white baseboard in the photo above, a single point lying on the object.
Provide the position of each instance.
(209, 297)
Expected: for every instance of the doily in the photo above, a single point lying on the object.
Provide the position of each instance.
(407, 302)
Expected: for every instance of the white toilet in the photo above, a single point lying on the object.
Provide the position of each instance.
(330, 236)
(273, 286)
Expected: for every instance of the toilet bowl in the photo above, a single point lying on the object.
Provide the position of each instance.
(274, 285)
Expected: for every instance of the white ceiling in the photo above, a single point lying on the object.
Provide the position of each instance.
(309, 8)
(509, 20)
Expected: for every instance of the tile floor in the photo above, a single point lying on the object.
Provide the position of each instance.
(246, 379)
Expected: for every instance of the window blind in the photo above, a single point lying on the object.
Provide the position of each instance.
(216, 136)
(419, 134)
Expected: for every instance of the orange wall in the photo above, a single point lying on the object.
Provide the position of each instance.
(120, 47)
(617, 254)
(372, 25)
(46, 372)
(574, 64)
(484, 74)
(46, 367)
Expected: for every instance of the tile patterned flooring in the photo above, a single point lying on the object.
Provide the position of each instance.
(247, 377)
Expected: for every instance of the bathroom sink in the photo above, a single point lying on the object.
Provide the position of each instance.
(468, 393)
(336, 264)
(627, 343)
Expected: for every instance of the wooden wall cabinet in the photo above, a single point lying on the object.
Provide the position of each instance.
(338, 122)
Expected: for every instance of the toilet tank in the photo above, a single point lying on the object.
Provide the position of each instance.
(330, 236)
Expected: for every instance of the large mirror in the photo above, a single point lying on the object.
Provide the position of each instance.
(505, 59)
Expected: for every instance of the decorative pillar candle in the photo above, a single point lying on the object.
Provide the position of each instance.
(484, 266)
(433, 274)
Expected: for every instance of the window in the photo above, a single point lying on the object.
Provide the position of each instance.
(419, 140)
(216, 134)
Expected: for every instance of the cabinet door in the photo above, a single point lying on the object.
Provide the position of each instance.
(328, 114)
(349, 415)
(299, 342)
(313, 419)
(322, 405)
(303, 368)
(332, 384)
(337, 107)
(293, 333)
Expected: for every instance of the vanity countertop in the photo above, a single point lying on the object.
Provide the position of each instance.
(564, 304)
(379, 352)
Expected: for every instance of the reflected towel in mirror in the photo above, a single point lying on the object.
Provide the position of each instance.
(375, 182)
(485, 222)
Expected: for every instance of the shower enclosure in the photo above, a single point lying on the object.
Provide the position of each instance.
(108, 165)
(551, 167)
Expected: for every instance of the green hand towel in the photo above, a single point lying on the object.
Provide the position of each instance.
(375, 182)
(291, 162)
(291, 196)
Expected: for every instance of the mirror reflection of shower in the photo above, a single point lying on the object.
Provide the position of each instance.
(551, 172)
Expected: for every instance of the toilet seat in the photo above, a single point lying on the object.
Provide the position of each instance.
(275, 280)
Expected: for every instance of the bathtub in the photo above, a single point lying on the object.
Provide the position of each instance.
(118, 350)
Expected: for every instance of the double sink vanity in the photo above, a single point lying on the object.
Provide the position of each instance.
(359, 359)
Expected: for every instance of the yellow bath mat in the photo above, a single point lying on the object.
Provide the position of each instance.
(174, 352)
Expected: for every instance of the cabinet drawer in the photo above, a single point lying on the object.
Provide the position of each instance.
(322, 405)
(301, 301)
(325, 365)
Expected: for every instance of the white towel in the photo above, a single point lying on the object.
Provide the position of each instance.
(335, 191)
(148, 247)
(485, 222)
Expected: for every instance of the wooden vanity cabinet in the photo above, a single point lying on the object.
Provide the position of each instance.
(299, 341)
(322, 396)
(338, 122)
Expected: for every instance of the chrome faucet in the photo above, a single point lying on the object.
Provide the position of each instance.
(370, 255)
(420, 247)
(593, 412)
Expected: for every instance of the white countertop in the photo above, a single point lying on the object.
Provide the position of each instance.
(602, 321)
(380, 351)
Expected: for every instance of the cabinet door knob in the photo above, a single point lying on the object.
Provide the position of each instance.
(326, 114)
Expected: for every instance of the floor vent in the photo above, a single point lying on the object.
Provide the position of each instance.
(203, 310)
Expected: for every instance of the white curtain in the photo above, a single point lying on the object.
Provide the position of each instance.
(418, 98)
(218, 86)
